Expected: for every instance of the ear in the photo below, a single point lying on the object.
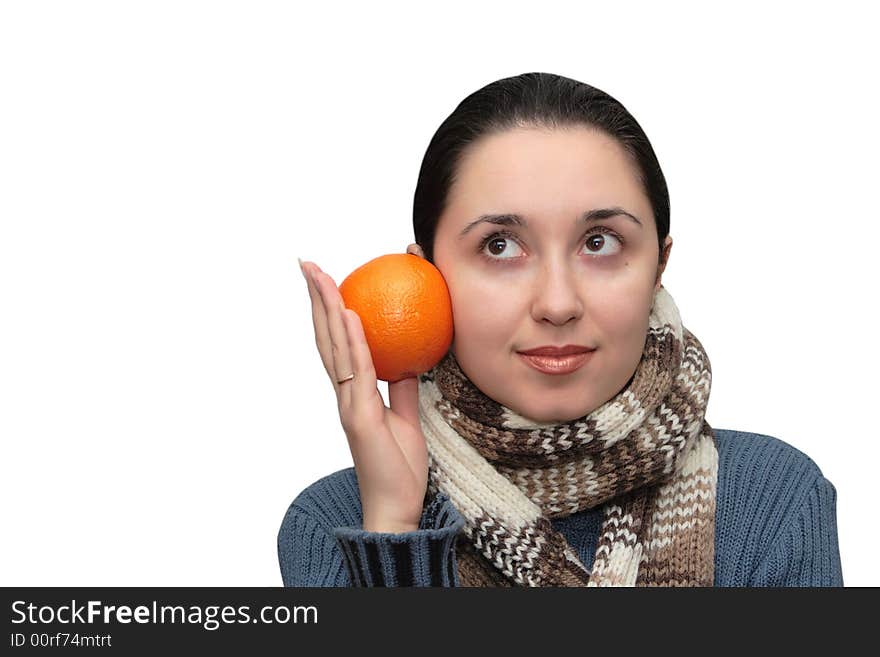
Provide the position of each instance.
(415, 249)
(667, 248)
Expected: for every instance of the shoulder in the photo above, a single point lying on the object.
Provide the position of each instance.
(763, 485)
(761, 476)
(331, 501)
(757, 458)
(758, 463)
(307, 551)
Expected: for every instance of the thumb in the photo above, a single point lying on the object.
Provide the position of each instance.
(404, 398)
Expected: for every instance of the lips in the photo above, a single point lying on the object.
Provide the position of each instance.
(558, 365)
(550, 350)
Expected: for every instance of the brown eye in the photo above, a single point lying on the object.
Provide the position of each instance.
(497, 244)
(595, 242)
(598, 241)
(493, 246)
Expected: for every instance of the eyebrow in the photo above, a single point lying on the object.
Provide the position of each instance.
(517, 220)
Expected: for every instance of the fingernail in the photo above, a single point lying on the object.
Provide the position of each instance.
(301, 268)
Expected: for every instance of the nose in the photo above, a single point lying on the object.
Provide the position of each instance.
(557, 296)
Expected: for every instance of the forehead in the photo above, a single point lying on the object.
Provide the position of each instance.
(530, 169)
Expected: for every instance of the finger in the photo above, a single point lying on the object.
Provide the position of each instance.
(361, 359)
(338, 335)
(319, 321)
(403, 397)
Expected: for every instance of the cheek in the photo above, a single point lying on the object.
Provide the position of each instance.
(621, 319)
(484, 311)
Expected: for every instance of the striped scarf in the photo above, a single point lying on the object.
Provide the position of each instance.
(648, 455)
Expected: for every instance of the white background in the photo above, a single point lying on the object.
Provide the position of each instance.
(163, 164)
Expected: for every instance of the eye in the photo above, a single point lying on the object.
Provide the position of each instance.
(597, 243)
(496, 243)
(598, 239)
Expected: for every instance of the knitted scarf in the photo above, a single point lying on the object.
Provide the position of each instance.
(647, 455)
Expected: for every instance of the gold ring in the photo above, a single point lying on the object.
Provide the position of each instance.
(347, 378)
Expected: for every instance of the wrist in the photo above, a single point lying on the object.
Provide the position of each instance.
(387, 527)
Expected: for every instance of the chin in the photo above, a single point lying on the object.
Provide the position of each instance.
(558, 416)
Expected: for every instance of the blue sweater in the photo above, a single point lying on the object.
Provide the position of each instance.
(775, 525)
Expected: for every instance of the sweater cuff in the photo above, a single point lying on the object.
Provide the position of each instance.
(422, 557)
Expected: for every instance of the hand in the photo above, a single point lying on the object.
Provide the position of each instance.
(387, 444)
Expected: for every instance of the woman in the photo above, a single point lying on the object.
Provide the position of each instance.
(541, 201)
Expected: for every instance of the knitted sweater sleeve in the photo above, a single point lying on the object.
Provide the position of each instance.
(423, 557)
(322, 542)
(806, 551)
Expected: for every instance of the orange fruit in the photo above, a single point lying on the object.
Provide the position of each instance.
(404, 305)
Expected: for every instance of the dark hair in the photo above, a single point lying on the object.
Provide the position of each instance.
(541, 100)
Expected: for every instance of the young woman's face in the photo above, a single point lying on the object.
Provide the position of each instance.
(555, 279)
